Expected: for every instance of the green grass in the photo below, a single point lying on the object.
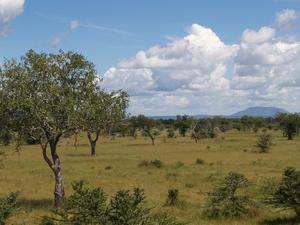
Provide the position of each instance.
(28, 174)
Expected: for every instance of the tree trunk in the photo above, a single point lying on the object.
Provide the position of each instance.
(290, 136)
(152, 140)
(75, 141)
(93, 148)
(55, 166)
(93, 142)
(59, 191)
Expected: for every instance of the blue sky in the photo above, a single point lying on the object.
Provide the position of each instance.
(111, 33)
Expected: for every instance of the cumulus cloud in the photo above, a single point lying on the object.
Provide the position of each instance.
(255, 37)
(286, 18)
(199, 73)
(9, 10)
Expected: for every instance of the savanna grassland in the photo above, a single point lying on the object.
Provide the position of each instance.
(117, 166)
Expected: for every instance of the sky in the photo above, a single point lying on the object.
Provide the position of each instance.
(172, 57)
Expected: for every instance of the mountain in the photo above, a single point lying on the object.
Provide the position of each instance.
(259, 112)
(252, 111)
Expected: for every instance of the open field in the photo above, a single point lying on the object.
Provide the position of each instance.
(116, 167)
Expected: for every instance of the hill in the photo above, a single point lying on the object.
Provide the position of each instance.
(259, 112)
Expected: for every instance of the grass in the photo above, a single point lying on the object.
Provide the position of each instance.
(116, 167)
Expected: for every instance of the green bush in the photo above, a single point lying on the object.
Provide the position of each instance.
(7, 206)
(228, 200)
(200, 161)
(90, 207)
(156, 163)
(153, 163)
(264, 142)
(287, 195)
(172, 198)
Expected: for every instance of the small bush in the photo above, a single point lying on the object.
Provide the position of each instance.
(172, 198)
(7, 206)
(200, 161)
(108, 168)
(156, 163)
(171, 133)
(287, 195)
(264, 142)
(90, 207)
(153, 163)
(178, 164)
(228, 200)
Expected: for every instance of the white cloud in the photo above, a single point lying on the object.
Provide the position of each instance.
(9, 10)
(199, 73)
(263, 35)
(286, 18)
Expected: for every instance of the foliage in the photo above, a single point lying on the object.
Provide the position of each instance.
(47, 95)
(287, 194)
(200, 161)
(289, 123)
(228, 200)
(7, 206)
(150, 127)
(264, 142)
(182, 123)
(153, 163)
(172, 198)
(90, 207)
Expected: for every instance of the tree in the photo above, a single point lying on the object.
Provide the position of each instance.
(103, 111)
(264, 142)
(289, 123)
(182, 123)
(287, 194)
(47, 94)
(197, 132)
(149, 127)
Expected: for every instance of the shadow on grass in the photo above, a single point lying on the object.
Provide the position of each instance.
(281, 221)
(46, 204)
(77, 155)
(143, 144)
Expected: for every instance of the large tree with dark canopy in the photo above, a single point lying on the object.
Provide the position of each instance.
(47, 94)
(289, 123)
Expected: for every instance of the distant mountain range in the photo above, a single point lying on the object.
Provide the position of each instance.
(251, 111)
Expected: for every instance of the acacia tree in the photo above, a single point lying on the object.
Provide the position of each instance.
(103, 112)
(47, 92)
(289, 123)
(182, 123)
(149, 127)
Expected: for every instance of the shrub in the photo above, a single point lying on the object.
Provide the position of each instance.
(200, 161)
(172, 198)
(153, 163)
(156, 163)
(178, 164)
(90, 207)
(287, 195)
(171, 133)
(7, 206)
(264, 142)
(85, 206)
(228, 200)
